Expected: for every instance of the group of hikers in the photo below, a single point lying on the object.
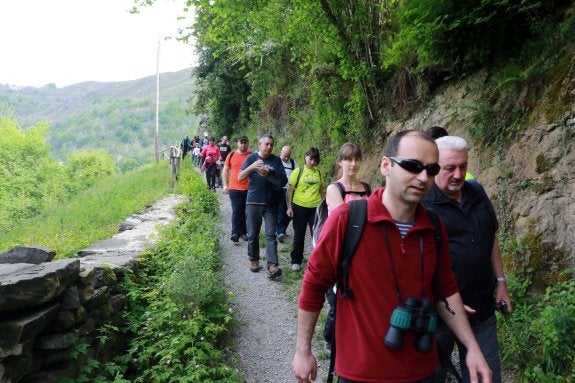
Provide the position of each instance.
(426, 272)
(207, 155)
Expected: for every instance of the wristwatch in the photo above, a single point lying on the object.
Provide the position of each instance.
(501, 279)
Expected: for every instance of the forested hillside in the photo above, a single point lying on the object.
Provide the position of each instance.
(116, 117)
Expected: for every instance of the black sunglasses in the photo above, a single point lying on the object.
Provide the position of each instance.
(416, 167)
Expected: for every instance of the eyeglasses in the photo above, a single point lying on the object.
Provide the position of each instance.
(416, 167)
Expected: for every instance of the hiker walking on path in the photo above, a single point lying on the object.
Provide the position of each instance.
(349, 160)
(384, 325)
(471, 225)
(266, 177)
(283, 219)
(225, 149)
(185, 146)
(209, 157)
(304, 194)
(346, 188)
(237, 190)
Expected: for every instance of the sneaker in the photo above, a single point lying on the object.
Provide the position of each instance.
(274, 271)
(235, 238)
(281, 237)
(295, 267)
(244, 237)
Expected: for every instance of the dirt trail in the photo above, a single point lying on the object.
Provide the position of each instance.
(265, 338)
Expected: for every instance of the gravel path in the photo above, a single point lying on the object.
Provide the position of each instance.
(265, 338)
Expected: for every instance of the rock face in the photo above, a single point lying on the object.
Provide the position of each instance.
(48, 307)
(529, 178)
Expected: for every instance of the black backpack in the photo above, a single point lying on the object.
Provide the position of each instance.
(321, 211)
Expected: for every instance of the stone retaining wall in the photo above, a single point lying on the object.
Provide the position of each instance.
(48, 308)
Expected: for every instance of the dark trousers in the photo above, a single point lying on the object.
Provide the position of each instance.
(486, 334)
(211, 175)
(283, 218)
(238, 202)
(302, 218)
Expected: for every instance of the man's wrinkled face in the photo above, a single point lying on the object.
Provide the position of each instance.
(266, 147)
(451, 177)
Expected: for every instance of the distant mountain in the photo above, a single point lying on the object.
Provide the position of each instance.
(116, 116)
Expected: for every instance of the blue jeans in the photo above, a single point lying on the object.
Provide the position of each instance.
(283, 218)
(238, 202)
(486, 334)
(302, 218)
(269, 213)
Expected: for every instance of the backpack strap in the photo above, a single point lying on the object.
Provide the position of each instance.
(300, 169)
(356, 218)
(291, 160)
(344, 192)
(434, 218)
(341, 188)
(367, 188)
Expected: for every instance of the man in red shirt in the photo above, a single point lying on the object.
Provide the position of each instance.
(395, 263)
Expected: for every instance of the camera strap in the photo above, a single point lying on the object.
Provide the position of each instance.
(421, 254)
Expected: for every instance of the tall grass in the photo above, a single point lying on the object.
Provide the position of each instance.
(91, 215)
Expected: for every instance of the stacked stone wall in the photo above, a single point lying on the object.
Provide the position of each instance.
(50, 308)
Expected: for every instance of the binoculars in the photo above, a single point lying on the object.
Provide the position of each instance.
(416, 316)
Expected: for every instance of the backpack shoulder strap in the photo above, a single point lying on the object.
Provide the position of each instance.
(300, 172)
(231, 155)
(342, 190)
(434, 218)
(357, 216)
(291, 160)
(356, 219)
(367, 187)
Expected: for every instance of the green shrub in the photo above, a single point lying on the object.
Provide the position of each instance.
(178, 312)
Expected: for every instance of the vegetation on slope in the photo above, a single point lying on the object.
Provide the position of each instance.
(65, 207)
(116, 117)
(178, 312)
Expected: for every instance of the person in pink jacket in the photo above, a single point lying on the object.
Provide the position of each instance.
(209, 156)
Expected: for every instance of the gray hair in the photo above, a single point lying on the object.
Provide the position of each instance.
(451, 143)
(264, 136)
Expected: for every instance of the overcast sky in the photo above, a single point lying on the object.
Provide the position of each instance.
(70, 41)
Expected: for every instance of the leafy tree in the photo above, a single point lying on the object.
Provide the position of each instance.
(86, 166)
(31, 177)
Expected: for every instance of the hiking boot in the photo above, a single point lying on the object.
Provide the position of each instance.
(244, 237)
(235, 238)
(274, 271)
(295, 267)
(255, 266)
(281, 237)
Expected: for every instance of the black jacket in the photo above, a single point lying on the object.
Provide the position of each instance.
(471, 229)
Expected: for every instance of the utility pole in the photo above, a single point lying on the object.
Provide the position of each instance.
(156, 138)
